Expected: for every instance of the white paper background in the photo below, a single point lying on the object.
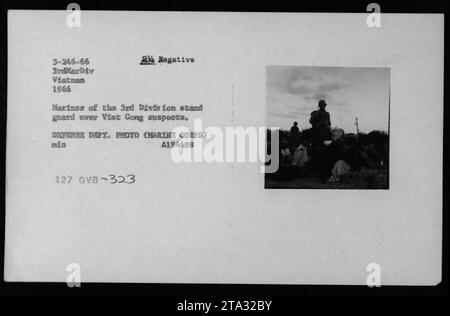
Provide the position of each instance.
(216, 222)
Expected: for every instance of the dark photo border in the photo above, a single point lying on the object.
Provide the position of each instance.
(217, 292)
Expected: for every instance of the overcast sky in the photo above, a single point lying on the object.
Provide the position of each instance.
(293, 93)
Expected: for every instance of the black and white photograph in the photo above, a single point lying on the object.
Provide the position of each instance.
(223, 157)
(334, 127)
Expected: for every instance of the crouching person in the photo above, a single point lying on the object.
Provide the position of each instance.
(340, 168)
(332, 158)
(285, 152)
(301, 154)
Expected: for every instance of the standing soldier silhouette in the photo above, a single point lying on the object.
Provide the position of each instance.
(321, 129)
(294, 140)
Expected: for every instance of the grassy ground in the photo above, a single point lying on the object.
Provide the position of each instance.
(288, 177)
